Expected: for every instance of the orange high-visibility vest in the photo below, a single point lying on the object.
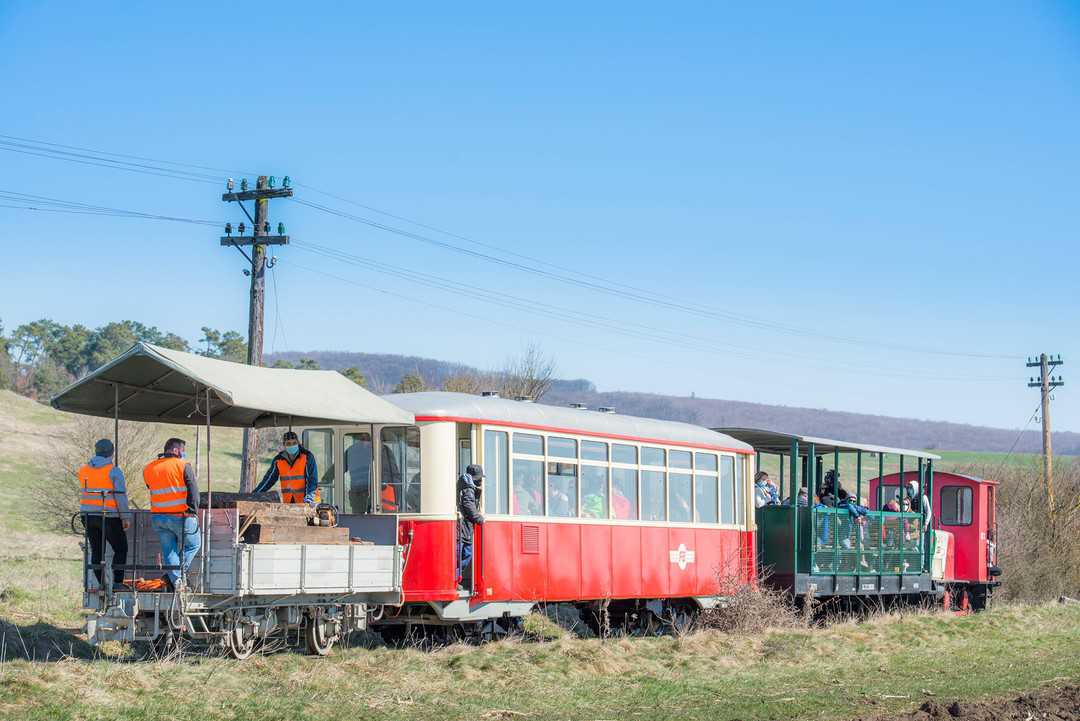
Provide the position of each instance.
(389, 499)
(293, 479)
(96, 489)
(165, 479)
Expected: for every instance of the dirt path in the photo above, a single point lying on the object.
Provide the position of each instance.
(1048, 704)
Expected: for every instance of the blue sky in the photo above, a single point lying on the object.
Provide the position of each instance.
(904, 177)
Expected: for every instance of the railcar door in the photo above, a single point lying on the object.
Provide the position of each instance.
(320, 441)
(357, 470)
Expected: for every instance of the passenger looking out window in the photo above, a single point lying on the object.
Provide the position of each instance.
(594, 491)
(652, 496)
(528, 487)
(679, 487)
(562, 490)
(624, 501)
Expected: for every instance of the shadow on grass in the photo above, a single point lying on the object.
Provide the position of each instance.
(43, 642)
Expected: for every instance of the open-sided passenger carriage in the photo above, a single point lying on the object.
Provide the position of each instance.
(934, 553)
(237, 594)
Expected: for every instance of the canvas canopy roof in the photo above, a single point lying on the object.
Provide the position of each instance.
(149, 383)
(766, 441)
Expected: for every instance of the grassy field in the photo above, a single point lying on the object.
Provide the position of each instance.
(885, 665)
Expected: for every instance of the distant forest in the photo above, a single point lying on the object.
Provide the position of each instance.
(384, 372)
(40, 358)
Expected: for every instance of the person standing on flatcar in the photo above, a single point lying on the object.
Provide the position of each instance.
(103, 504)
(295, 467)
(468, 507)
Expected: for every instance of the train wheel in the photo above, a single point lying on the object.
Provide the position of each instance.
(241, 640)
(318, 635)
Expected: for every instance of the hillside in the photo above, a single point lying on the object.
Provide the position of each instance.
(385, 370)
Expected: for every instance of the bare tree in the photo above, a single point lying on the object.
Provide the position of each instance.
(528, 375)
(473, 383)
(56, 491)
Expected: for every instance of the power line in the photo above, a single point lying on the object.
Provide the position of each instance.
(566, 276)
(597, 322)
(41, 203)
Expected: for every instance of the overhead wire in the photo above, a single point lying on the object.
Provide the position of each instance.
(565, 275)
(594, 321)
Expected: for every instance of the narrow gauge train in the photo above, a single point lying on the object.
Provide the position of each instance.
(639, 521)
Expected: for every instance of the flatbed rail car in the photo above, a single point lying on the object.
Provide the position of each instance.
(237, 593)
(633, 519)
(829, 552)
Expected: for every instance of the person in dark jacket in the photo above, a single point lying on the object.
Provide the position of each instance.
(468, 487)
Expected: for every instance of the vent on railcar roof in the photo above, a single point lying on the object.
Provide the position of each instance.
(578, 406)
(490, 394)
(524, 399)
(606, 409)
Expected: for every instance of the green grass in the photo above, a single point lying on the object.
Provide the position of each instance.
(885, 665)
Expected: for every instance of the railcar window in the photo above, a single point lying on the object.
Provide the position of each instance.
(528, 487)
(680, 496)
(727, 489)
(595, 451)
(624, 454)
(956, 506)
(321, 444)
(562, 489)
(528, 444)
(652, 496)
(705, 461)
(594, 491)
(705, 498)
(885, 494)
(679, 459)
(497, 467)
(357, 473)
(624, 493)
(399, 491)
(652, 456)
(562, 447)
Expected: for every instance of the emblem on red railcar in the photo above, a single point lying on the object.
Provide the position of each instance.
(682, 555)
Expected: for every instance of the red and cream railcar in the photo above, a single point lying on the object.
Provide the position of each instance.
(581, 506)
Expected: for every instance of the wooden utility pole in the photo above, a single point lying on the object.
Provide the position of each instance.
(1045, 383)
(258, 240)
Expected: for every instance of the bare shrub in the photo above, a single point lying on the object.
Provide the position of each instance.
(749, 606)
(56, 491)
(1039, 559)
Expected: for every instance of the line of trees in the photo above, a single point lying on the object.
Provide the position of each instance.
(41, 358)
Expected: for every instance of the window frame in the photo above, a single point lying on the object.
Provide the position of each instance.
(970, 504)
(614, 447)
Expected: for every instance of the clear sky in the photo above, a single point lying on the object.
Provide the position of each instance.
(901, 177)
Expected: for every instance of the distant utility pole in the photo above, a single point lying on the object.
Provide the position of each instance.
(258, 240)
(1045, 383)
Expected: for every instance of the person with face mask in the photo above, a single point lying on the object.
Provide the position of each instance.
(174, 503)
(295, 468)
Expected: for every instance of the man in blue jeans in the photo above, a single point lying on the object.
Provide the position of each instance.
(174, 503)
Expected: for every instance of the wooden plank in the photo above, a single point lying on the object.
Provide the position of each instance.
(259, 533)
(267, 518)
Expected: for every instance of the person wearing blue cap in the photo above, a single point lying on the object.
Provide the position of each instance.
(103, 505)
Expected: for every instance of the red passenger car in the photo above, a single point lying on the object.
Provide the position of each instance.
(640, 517)
(965, 523)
